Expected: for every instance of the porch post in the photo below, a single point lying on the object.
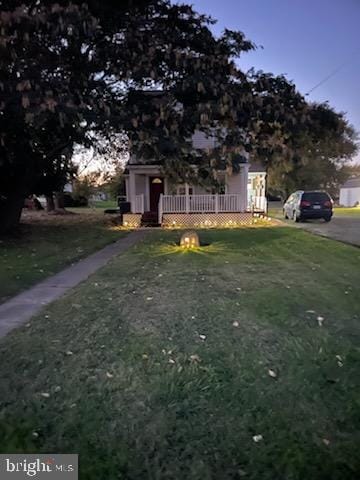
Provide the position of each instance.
(216, 203)
(160, 209)
(244, 169)
(147, 193)
(127, 190)
(132, 193)
(187, 200)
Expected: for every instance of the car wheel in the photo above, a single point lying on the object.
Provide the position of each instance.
(327, 219)
(295, 217)
(285, 214)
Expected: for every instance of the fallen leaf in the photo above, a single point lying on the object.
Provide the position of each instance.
(203, 337)
(109, 375)
(149, 298)
(320, 321)
(144, 356)
(172, 361)
(310, 311)
(45, 394)
(195, 358)
(257, 438)
(272, 373)
(326, 441)
(235, 324)
(69, 352)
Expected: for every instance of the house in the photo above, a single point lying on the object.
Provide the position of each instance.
(153, 200)
(350, 193)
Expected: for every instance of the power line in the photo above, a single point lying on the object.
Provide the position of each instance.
(334, 72)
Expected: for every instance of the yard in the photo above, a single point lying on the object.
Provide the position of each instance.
(49, 243)
(237, 360)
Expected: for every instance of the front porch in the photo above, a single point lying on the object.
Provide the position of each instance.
(152, 198)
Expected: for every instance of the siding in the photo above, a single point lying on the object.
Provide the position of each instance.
(233, 183)
(201, 142)
(349, 197)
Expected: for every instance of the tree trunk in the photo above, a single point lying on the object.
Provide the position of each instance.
(10, 212)
(59, 201)
(50, 204)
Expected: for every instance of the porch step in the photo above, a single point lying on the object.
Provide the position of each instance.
(149, 219)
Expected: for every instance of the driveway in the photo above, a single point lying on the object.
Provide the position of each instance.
(344, 229)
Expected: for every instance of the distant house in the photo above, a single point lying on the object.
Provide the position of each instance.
(350, 193)
(153, 200)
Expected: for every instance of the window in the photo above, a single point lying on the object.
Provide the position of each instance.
(315, 196)
(181, 190)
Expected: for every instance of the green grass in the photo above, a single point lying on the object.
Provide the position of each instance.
(46, 244)
(347, 212)
(102, 204)
(139, 394)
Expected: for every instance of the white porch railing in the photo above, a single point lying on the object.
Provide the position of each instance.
(257, 203)
(139, 204)
(200, 203)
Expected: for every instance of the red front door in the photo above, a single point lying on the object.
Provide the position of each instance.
(156, 189)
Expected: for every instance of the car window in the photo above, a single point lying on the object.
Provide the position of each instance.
(315, 196)
(290, 199)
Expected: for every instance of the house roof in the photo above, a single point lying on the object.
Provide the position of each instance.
(352, 183)
(256, 167)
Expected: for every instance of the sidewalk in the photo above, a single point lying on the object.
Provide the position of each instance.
(22, 307)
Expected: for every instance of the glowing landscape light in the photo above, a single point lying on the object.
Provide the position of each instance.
(190, 240)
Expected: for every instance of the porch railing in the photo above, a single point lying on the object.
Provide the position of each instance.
(200, 203)
(257, 203)
(139, 204)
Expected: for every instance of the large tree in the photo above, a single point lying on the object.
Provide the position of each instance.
(67, 67)
(316, 156)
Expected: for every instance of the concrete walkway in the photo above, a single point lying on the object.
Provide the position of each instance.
(21, 308)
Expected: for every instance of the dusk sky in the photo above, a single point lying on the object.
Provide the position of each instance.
(303, 39)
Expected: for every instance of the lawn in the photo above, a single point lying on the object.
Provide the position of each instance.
(347, 212)
(237, 360)
(48, 243)
(105, 204)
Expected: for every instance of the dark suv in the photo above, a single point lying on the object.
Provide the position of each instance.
(303, 205)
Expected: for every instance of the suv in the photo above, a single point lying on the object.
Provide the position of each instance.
(303, 205)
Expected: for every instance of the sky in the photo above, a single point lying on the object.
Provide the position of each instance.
(303, 39)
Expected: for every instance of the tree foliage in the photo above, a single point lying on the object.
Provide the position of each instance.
(67, 67)
(316, 156)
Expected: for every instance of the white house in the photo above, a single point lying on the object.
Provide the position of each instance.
(350, 193)
(153, 200)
